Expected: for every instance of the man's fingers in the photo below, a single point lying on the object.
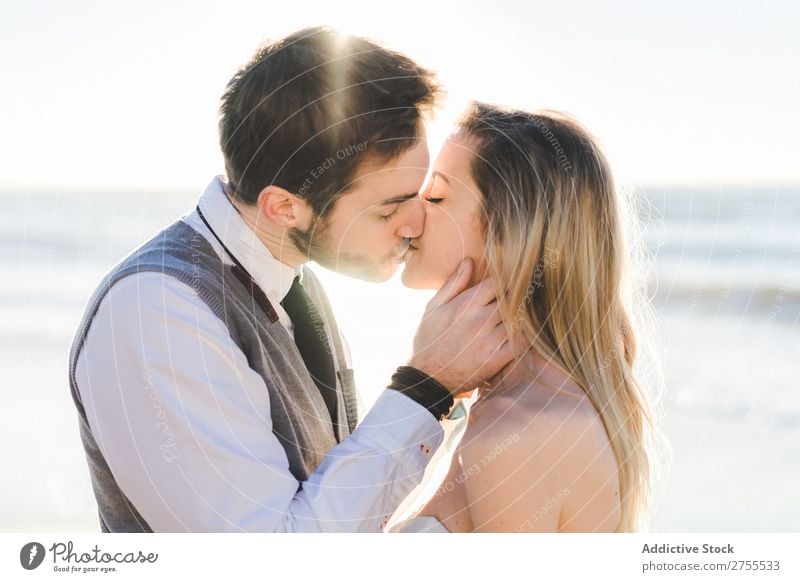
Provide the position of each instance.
(495, 317)
(485, 317)
(496, 336)
(503, 355)
(481, 294)
(454, 285)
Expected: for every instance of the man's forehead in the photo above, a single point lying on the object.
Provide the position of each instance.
(401, 177)
(414, 158)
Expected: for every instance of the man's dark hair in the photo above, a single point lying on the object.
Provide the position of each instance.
(308, 110)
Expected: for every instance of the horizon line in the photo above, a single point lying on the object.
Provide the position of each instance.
(6, 189)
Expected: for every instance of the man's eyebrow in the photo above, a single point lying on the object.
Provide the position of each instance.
(399, 199)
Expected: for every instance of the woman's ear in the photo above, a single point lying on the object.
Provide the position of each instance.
(282, 208)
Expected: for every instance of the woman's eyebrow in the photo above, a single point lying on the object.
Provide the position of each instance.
(398, 199)
(442, 176)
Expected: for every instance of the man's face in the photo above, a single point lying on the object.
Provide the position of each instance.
(366, 235)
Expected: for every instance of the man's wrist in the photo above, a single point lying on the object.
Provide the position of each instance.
(423, 389)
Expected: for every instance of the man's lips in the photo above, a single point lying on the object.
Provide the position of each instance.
(410, 246)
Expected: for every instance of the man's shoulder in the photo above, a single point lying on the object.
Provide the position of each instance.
(178, 252)
(174, 266)
(144, 289)
(176, 243)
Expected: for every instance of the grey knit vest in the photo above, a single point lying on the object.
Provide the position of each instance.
(300, 419)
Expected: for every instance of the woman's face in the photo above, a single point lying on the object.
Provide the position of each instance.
(452, 219)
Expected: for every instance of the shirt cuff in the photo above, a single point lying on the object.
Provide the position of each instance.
(401, 427)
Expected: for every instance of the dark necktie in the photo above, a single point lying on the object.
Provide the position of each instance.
(312, 342)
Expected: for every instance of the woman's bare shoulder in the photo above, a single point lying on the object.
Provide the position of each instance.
(534, 411)
(535, 443)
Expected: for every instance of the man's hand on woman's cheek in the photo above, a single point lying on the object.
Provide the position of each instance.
(461, 341)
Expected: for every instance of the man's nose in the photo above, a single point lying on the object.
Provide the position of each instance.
(414, 220)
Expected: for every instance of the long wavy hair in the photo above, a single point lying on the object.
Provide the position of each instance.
(556, 242)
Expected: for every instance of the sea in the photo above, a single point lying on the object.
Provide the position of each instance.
(723, 285)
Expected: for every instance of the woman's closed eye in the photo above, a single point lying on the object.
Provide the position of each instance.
(432, 196)
(433, 193)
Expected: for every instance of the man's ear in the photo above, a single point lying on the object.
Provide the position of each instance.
(284, 209)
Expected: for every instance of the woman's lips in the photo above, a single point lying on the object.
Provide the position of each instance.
(411, 249)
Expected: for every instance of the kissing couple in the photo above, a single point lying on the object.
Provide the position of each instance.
(215, 392)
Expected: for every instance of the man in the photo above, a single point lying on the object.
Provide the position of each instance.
(214, 390)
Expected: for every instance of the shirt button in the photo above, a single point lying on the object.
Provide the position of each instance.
(273, 295)
(425, 449)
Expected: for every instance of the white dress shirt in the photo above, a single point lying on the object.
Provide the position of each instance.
(184, 423)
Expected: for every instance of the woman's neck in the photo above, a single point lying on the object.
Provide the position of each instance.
(527, 369)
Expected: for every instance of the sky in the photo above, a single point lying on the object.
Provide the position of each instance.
(122, 95)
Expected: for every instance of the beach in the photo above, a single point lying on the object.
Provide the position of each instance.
(725, 292)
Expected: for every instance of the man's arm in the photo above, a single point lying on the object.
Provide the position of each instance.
(184, 424)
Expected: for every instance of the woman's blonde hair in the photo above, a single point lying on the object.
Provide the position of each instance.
(556, 243)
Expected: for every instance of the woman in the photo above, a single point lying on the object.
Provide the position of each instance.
(558, 440)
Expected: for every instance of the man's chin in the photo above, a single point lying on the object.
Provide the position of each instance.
(376, 276)
(368, 273)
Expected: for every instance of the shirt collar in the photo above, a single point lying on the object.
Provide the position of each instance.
(274, 277)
